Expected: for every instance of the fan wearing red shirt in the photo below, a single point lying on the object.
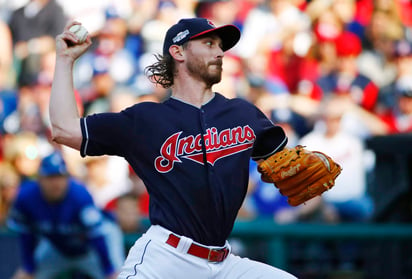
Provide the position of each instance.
(346, 79)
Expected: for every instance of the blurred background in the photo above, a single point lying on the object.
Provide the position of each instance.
(335, 74)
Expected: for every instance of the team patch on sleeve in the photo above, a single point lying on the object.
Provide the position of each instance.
(91, 216)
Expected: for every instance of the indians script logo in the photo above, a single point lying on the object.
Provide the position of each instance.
(217, 145)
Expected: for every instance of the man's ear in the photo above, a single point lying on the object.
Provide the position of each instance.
(176, 52)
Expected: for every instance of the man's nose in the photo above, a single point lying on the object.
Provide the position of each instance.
(220, 53)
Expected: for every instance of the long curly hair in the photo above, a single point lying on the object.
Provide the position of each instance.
(162, 72)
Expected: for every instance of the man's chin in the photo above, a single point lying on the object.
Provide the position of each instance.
(215, 73)
(212, 81)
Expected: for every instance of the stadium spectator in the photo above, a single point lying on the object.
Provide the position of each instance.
(107, 178)
(111, 45)
(27, 111)
(264, 26)
(287, 61)
(349, 197)
(232, 78)
(34, 27)
(405, 10)
(294, 124)
(346, 79)
(377, 61)
(397, 96)
(346, 11)
(8, 107)
(321, 57)
(9, 185)
(6, 57)
(95, 96)
(60, 229)
(265, 201)
(152, 31)
(141, 12)
(359, 90)
(23, 151)
(128, 213)
(219, 12)
(280, 35)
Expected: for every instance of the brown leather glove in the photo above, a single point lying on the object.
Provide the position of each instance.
(300, 174)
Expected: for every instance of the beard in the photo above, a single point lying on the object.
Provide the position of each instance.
(210, 73)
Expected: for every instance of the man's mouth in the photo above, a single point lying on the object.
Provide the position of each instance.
(217, 63)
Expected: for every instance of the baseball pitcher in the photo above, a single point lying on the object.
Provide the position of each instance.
(192, 151)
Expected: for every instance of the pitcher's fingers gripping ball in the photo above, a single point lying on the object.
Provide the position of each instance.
(300, 174)
(80, 32)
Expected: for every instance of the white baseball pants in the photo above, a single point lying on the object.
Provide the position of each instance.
(152, 258)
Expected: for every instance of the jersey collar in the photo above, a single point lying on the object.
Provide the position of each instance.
(184, 102)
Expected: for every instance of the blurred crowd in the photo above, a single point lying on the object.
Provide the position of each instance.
(332, 73)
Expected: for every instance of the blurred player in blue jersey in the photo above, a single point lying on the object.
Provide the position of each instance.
(61, 229)
(192, 152)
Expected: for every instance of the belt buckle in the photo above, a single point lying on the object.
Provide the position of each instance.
(218, 257)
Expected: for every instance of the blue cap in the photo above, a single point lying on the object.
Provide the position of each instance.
(52, 165)
(190, 28)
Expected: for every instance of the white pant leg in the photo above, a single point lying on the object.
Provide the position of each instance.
(244, 268)
(152, 258)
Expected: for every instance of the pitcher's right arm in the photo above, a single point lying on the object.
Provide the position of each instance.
(64, 116)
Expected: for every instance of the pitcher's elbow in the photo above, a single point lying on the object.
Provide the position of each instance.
(56, 134)
(68, 134)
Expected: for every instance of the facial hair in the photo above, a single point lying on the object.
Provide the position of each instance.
(201, 70)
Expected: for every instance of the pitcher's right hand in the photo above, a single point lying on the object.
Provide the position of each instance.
(67, 44)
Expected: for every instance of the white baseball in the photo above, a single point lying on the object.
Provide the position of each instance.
(80, 32)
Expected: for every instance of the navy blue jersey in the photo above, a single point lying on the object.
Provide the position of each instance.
(72, 225)
(193, 161)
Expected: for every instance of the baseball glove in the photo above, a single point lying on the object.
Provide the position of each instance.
(300, 174)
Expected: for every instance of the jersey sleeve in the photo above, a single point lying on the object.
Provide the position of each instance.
(27, 247)
(100, 244)
(107, 133)
(18, 220)
(270, 138)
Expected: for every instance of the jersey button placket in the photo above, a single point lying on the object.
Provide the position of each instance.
(203, 119)
(203, 125)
